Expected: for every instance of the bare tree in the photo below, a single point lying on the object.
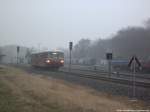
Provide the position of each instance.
(127, 42)
(81, 49)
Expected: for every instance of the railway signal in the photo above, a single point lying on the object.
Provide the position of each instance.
(109, 57)
(18, 49)
(70, 45)
(70, 50)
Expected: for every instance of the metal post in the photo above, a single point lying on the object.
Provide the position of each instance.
(134, 70)
(70, 62)
(109, 58)
(18, 49)
(109, 68)
(70, 49)
(17, 57)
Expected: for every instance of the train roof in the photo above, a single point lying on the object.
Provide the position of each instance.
(47, 52)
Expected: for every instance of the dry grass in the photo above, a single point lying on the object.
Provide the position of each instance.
(36, 93)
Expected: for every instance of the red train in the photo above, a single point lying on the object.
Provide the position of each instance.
(49, 59)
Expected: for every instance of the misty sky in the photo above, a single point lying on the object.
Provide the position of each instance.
(53, 23)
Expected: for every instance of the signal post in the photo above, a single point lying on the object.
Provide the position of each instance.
(70, 50)
(18, 50)
(109, 58)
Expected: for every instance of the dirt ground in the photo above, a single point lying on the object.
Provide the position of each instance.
(24, 92)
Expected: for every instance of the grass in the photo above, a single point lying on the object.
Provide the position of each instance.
(23, 92)
(14, 99)
(7, 101)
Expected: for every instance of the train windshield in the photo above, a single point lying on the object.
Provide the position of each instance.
(56, 55)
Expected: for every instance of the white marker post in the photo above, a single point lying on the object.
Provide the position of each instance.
(135, 60)
(134, 70)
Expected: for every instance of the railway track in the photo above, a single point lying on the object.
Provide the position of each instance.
(115, 73)
(105, 77)
(103, 83)
(92, 75)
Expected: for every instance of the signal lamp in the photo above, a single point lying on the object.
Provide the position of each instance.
(61, 61)
(48, 61)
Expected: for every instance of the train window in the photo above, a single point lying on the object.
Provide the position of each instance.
(50, 55)
(61, 55)
(56, 55)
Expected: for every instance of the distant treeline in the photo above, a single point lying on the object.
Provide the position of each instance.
(124, 44)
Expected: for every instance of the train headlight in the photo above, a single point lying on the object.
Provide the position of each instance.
(48, 61)
(61, 61)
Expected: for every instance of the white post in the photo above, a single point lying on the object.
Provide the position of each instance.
(133, 79)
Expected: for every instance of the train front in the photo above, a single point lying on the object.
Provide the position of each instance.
(55, 59)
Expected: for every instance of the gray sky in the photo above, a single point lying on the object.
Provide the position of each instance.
(53, 23)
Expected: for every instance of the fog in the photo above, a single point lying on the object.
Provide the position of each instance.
(53, 23)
